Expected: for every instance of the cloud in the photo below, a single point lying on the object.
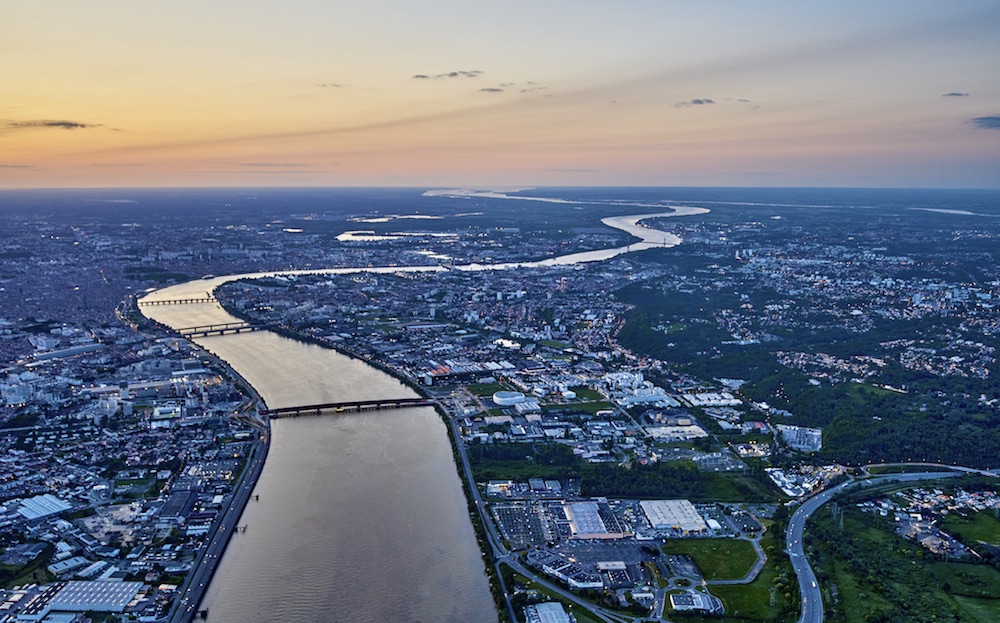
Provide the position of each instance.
(17, 166)
(695, 102)
(955, 94)
(474, 73)
(573, 170)
(270, 164)
(331, 85)
(491, 90)
(986, 123)
(65, 125)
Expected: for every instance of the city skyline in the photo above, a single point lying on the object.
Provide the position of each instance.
(253, 94)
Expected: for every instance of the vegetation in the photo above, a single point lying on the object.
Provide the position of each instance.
(771, 598)
(717, 559)
(32, 572)
(981, 527)
(871, 575)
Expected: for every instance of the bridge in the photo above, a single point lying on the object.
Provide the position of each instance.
(350, 406)
(187, 301)
(219, 329)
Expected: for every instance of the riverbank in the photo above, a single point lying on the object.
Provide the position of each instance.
(196, 583)
(277, 371)
(497, 588)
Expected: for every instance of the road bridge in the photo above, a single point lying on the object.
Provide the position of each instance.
(348, 406)
(220, 329)
(187, 301)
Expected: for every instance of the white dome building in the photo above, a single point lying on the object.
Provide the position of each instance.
(507, 399)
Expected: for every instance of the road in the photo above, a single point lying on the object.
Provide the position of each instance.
(812, 598)
(194, 587)
(192, 590)
(501, 555)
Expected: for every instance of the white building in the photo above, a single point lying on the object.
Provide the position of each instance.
(673, 515)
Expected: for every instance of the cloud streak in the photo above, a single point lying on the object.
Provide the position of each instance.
(701, 101)
(270, 164)
(955, 94)
(473, 73)
(61, 124)
(17, 166)
(991, 122)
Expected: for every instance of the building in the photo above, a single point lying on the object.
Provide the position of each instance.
(548, 612)
(673, 515)
(593, 520)
(42, 506)
(691, 601)
(507, 399)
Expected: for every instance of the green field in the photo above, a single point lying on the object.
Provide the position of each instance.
(487, 389)
(981, 610)
(876, 575)
(585, 393)
(717, 559)
(747, 603)
(981, 527)
(968, 580)
(733, 487)
(905, 469)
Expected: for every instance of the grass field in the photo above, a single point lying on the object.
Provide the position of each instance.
(732, 487)
(717, 559)
(982, 526)
(487, 389)
(752, 602)
(968, 580)
(585, 393)
(904, 469)
(982, 610)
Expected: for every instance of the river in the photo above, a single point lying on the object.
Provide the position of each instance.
(361, 518)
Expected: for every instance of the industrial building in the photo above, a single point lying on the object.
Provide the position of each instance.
(673, 515)
(80, 596)
(42, 506)
(549, 612)
(593, 520)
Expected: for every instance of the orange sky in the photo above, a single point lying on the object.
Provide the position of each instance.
(451, 93)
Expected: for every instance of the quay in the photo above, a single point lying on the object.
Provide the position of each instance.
(341, 407)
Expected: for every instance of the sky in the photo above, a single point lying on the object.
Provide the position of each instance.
(487, 94)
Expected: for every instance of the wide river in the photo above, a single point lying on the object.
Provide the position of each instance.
(361, 517)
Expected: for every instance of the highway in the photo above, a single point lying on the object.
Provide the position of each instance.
(809, 590)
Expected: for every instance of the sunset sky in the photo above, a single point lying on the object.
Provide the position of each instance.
(540, 92)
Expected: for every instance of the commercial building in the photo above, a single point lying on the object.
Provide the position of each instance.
(593, 520)
(549, 612)
(673, 515)
(42, 506)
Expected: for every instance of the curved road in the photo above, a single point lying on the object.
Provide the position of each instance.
(812, 599)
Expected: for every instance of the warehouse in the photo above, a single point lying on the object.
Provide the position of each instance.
(95, 596)
(673, 515)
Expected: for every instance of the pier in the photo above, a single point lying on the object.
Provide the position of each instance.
(187, 301)
(351, 406)
(219, 329)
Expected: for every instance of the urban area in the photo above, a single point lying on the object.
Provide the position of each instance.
(638, 432)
